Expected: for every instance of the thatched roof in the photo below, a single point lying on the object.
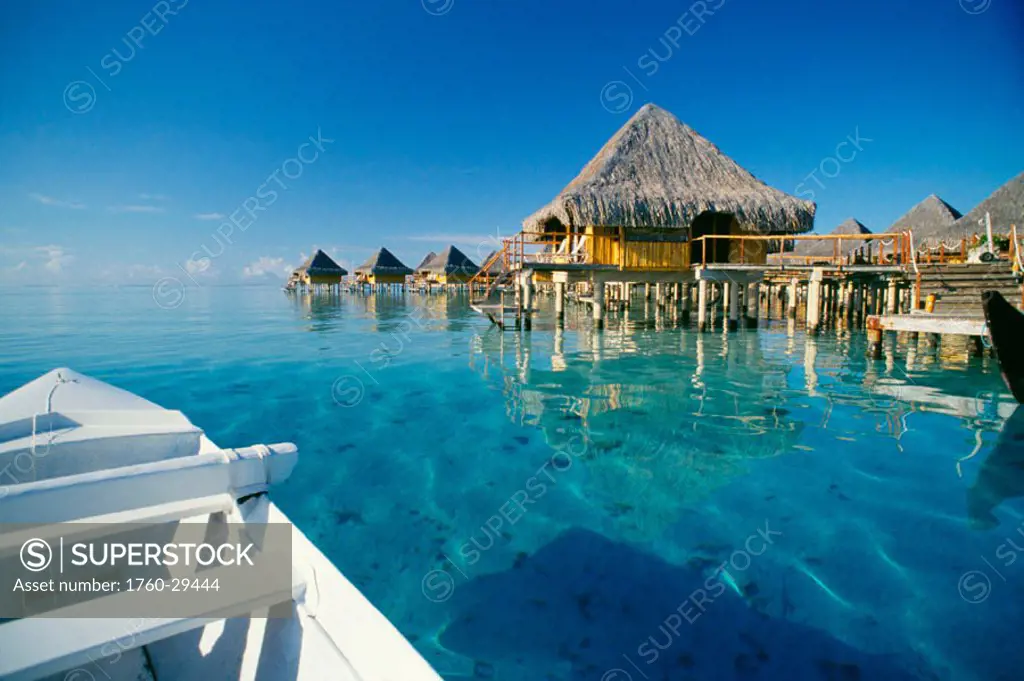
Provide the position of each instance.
(383, 262)
(658, 172)
(497, 267)
(320, 263)
(450, 261)
(826, 248)
(1005, 206)
(929, 219)
(426, 261)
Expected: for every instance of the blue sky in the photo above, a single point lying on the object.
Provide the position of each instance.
(128, 129)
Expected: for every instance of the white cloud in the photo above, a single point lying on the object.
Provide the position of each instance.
(152, 197)
(209, 216)
(267, 266)
(136, 209)
(56, 258)
(50, 201)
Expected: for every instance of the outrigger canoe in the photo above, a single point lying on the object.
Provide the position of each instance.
(1006, 327)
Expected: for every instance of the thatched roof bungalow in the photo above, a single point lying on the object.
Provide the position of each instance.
(497, 267)
(929, 221)
(426, 261)
(826, 248)
(383, 268)
(657, 179)
(451, 266)
(318, 269)
(1005, 206)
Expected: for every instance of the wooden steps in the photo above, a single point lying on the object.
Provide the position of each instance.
(958, 288)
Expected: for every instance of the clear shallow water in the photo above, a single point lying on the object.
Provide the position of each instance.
(559, 505)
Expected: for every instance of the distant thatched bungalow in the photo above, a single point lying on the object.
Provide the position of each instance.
(318, 270)
(383, 268)
(1005, 206)
(931, 221)
(656, 185)
(421, 268)
(497, 265)
(825, 250)
(450, 266)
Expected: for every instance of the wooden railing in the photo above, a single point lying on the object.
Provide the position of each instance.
(617, 250)
(500, 254)
(893, 249)
(1015, 255)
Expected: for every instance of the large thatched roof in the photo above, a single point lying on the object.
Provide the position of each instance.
(321, 263)
(826, 248)
(426, 261)
(929, 219)
(1005, 206)
(383, 262)
(450, 261)
(658, 172)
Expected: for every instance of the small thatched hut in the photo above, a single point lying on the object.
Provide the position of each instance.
(318, 270)
(383, 268)
(657, 180)
(931, 221)
(426, 261)
(826, 249)
(496, 268)
(450, 266)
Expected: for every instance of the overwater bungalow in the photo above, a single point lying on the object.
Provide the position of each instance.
(929, 220)
(319, 272)
(420, 274)
(383, 269)
(450, 266)
(1004, 207)
(656, 200)
(833, 251)
(656, 185)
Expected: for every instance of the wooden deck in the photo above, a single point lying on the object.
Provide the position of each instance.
(923, 322)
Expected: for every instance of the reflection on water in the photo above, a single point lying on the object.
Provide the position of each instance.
(887, 479)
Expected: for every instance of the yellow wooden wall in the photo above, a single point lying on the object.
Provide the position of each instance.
(605, 248)
(317, 279)
(374, 279)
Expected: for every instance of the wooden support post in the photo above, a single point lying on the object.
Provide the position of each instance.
(560, 302)
(598, 306)
(874, 339)
(685, 301)
(892, 297)
(726, 298)
(702, 305)
(814, 302)
(647, 291)
(734, 306)
(753, 303)
(659, 295)
(791, 299)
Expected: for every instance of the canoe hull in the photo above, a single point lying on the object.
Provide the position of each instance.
(1006, 327)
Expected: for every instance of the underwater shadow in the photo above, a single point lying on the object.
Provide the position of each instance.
(587, 608)
(1001, 475)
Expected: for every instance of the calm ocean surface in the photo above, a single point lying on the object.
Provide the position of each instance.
(643, 504)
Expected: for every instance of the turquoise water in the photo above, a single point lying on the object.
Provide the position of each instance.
(644, 503)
